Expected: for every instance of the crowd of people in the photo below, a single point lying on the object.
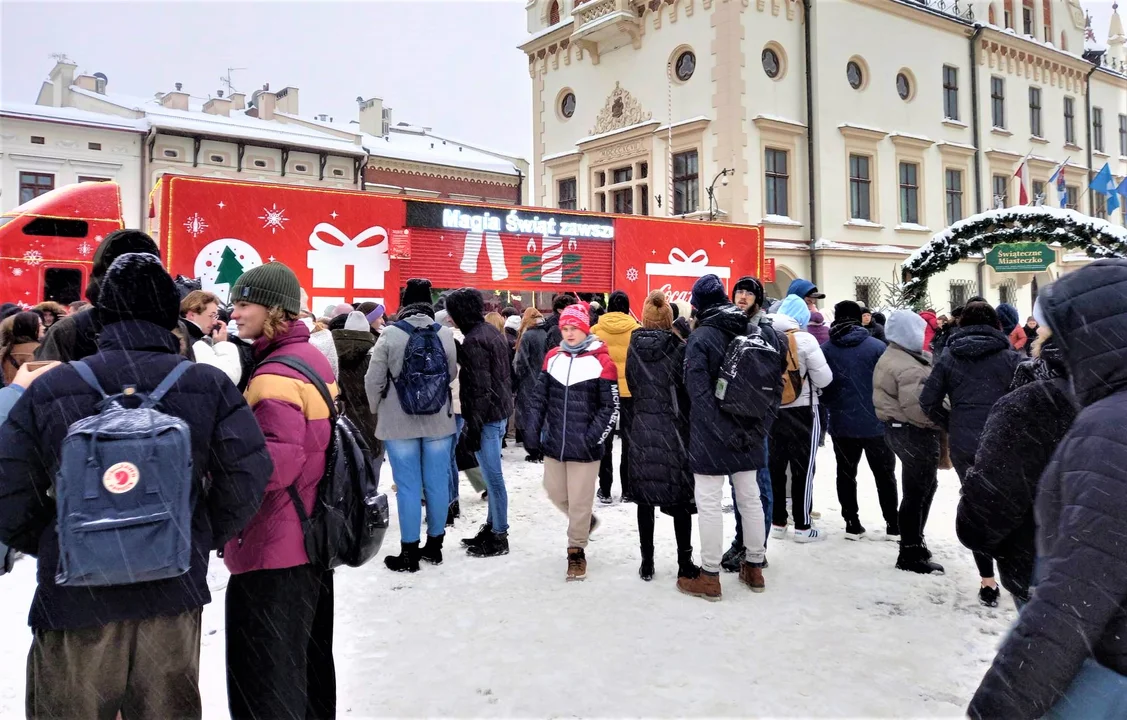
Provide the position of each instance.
(731, 388)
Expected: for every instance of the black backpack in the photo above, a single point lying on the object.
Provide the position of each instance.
(750, 384)
(350, 515)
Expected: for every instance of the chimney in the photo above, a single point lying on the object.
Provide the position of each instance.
(100, 82)
(218, 106)
(266, 104)
(86, 82)
(238, 101)
(175, 100)
(371, 116)
(287, 100)
(62, 77)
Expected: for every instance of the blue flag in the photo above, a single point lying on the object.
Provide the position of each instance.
(1104, 184)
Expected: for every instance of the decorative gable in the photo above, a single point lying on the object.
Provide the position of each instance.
(621, 110)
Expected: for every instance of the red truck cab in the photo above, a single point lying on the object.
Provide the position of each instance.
(47, 244)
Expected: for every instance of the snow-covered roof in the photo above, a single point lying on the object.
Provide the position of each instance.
(824, 244)
(73, 116)
(417, 145)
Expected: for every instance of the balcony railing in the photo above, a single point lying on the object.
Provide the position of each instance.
(605, 24)
(962, 10)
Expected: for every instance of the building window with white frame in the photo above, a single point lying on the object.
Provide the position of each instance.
(686, 182)
(950, 92)
(1001, 185)
(860, 187)
(1071, 197)
(998, 102)
(960, 292)
(1038, 192)
(1035, 112)
(1123, 135)
(1007, 292)
(909, 193)
(954, 189)
(1100, 206)
(1069, 121)
(866, 291)
(566, 194)
(1098, 129)
(33, 184)
(776, 180)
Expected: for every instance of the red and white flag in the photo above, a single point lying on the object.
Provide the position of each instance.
(1022, 175)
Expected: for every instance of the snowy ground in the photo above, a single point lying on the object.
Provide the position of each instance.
(839, 633)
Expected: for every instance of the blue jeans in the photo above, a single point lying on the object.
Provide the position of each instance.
(417, 463)
(459, 423)
(766, 495)
(489, 457)
(1095, 692)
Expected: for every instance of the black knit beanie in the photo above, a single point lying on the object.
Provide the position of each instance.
(417, 291)
(619, 302)
(136, 287)
(847, 311)
(116, 244)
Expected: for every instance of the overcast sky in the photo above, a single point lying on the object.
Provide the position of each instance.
(451, 65)
(448, 64)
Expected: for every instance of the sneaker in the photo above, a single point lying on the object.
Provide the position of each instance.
(432, 551)
(484, 531)
(494, 545)
(752, 576)
(808, 536)
(484, 494)
(854, 530)
(706, 585)
(892, 533)
(603, 498)
(733, 558)
(778, 532)
(576, 565)
(988, 596)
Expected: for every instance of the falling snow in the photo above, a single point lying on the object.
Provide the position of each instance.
(632, 274)
(32, 257)
(274, 218)
(195, 225)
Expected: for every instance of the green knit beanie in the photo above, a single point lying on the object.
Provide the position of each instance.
(270, 285)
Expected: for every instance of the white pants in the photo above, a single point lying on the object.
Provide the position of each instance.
(709, 492)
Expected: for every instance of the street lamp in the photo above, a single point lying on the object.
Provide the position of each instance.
(711, 190)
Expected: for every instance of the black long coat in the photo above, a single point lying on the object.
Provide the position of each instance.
(527, 364)
(659, 433)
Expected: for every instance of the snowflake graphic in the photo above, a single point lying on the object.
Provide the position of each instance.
(33, 257)
(17, 271)
(85, 249)
(195, 225)
(274, 218)
(632, 274)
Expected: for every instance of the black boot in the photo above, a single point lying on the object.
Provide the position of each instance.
(482, 533)
(733, 558)
(988, 596)
(646, 569)
(406, 561)
(432, 551)
(493, 545)
(686, 568)
(917, 559)
(450, 515)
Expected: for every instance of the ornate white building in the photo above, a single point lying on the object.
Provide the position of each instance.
(852, 130)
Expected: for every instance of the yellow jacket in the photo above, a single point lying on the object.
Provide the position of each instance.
(615, 329)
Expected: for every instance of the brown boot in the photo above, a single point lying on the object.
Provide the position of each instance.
(752, 576)
(576, 564)
(706, 585)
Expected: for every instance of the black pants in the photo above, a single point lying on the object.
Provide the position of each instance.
(682, 528)
(606, 466)
(882, 461)
(794, 444)
(918, 450)
(962, 464)
(280, 644)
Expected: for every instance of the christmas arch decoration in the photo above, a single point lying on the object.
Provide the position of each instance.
(979, 233)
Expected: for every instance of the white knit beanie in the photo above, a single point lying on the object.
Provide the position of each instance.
(357, 321)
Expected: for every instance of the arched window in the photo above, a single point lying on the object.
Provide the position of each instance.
(1047, 9)
(554, 13)
(1009, 18)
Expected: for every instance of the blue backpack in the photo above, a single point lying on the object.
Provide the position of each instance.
(423, 384)
(123, 491)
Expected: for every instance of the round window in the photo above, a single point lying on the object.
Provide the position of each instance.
(854, 74)
(771, 64)
(903, 86)
(686, 65)
(567, 105)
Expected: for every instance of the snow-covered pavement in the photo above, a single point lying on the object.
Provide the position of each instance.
(840, 632)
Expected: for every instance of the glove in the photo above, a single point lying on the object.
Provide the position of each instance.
(534, 456)
(472, 438)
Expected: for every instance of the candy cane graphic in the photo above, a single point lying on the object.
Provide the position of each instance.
(551, 260)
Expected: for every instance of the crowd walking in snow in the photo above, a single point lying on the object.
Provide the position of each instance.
(157, 426)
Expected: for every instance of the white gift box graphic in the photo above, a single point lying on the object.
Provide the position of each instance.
(329, 258)
(681, 265)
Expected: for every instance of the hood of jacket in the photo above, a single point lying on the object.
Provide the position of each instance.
(466, 308)
(617, 323)
(783, 323)
(353, 345)
(929, 317)
(652, 345)
(848, 334)
(726, 317)
(1087, 312)
(1008, 316)
(907, 329)
(977, 341)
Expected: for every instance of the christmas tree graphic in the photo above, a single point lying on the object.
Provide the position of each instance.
(230, 269)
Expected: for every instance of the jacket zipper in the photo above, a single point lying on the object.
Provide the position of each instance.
(567, 389)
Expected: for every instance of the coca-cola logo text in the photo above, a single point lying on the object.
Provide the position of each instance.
(674, 295)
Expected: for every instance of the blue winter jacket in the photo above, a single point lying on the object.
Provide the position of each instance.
(852, 354)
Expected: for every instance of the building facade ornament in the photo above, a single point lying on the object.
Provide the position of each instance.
(621, 110)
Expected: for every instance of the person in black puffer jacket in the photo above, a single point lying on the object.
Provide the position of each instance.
(659, 435)
(975, 371)
(354, 342)
(720, 444)
(1068, 649)
(486, 393)
(996, 510)
(532, 346)
(573, 410)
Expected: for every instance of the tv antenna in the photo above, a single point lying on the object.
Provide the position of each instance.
(226, 79)
(59, 57)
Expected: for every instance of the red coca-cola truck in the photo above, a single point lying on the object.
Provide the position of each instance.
(351, 246)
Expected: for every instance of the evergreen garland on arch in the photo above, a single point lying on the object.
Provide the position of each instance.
(977, 234)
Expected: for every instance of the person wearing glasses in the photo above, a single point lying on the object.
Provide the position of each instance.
(208, 334)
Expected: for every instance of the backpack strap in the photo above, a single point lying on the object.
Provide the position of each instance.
(165, 385)
(87, 376)
(312, 376)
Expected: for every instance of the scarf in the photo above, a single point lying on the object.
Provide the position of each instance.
(583, 345)
(841, 328)
(1050, 365)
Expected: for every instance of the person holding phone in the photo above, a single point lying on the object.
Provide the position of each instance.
(208, 334)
